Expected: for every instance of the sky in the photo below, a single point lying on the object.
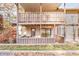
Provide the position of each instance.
(70, 5)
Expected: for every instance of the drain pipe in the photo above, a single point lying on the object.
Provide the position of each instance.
(64, 22)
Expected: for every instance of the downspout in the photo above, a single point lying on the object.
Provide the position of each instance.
(78, 25)
(73, 29)
(64, 22)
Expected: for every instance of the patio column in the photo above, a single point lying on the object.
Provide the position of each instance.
(40, 17)
(64, 22)
(17, 36)
(54, 31)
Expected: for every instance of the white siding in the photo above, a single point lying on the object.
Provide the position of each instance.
(69, 33)
(71, 18)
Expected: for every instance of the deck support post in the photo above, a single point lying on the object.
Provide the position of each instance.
(54, 33)
(17, 36)
(40, 17)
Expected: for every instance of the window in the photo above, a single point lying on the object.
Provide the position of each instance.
(46, 32)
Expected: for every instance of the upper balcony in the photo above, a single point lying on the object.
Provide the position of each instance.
(41, 18)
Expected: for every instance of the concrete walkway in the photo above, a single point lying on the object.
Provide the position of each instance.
(38, 53)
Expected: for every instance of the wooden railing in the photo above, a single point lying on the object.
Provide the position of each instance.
(39, 18)
(35, 41)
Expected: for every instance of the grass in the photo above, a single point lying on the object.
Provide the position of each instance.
(40, 47)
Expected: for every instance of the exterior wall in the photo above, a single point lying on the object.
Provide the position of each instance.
(69, 33)
(71, 19)
(72, 35)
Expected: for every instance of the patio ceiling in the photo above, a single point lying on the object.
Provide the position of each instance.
(35, 7)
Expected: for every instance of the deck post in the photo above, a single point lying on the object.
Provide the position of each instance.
(54, 33)
(40, 17)
(17, 37)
